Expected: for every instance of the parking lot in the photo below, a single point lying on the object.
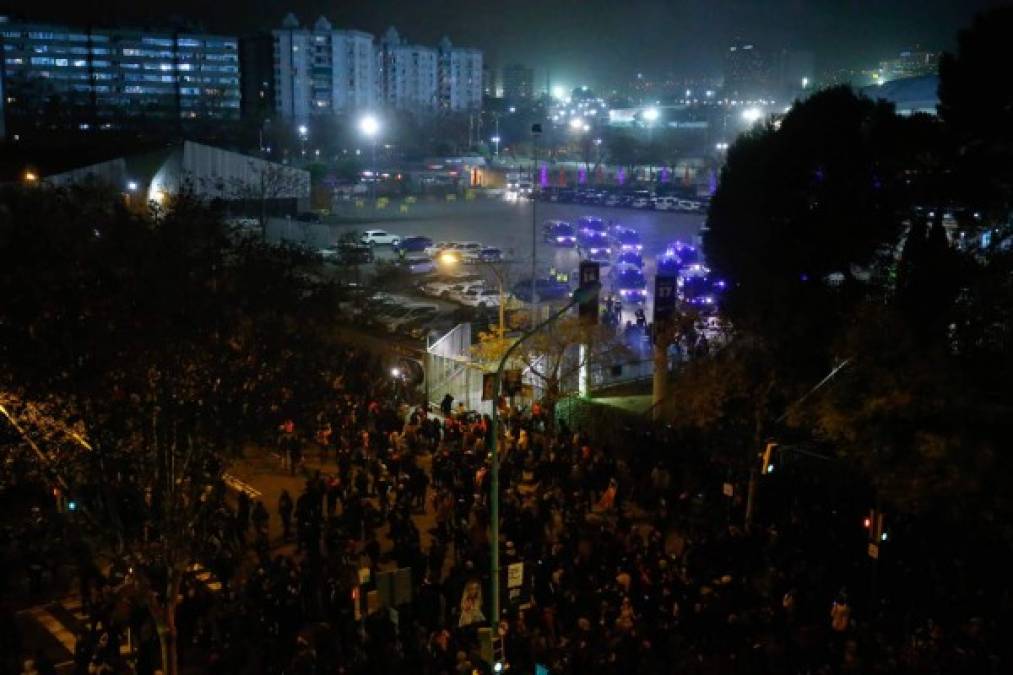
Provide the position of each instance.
(495, 223)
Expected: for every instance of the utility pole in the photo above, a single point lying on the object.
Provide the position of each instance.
(662, 327)
(579, 296)
(536, 131)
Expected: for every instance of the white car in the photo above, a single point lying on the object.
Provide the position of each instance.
(379, 238)
(460, 293)
(689, 206)
(640, 202)
(329, 253)
(402, 315)
(443, 289)
(480, 297)
(470, 250)
(441, 246)
(665, 203)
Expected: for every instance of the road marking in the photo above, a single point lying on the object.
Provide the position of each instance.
(241, 486)
(54, 627)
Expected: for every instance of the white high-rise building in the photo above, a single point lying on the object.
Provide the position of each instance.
(460, 78)
(322, 71)
(409, 74)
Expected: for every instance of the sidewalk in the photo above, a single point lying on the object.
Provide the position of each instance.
(261, 469)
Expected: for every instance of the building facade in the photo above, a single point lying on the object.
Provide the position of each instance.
(64, 76)
(460, 78)
(322, 71)
(518, 84)
(409, 77)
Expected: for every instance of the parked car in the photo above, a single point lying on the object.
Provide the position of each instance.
(470, 250)
(626, 238)
(329, 253)
(380, 238)
(685, 253)
(630, 282)
(591, 224)
(595, 243)
(480, 297)
(490, 255)
(668, 266)
(558, 233)
(613, 200)
(665, 203)
(641, 200)
(630, 258)
(439, 248)
(418, 264)
(546, 289)
(414, 244)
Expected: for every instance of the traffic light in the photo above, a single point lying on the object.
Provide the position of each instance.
(767, 465)
(876, 527)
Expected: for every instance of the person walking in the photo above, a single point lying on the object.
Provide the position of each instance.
(260, 518)
(447, 405)
(285, 513)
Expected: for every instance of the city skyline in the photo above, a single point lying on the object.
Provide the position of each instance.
(579, 43)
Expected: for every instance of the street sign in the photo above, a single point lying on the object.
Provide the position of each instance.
(873, 551)
(515, 575)
(728, 490)
(590, 275)
(664, 299)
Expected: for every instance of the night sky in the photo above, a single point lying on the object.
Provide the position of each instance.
(582, 41)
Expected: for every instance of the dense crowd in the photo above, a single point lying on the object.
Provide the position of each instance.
(632, 562)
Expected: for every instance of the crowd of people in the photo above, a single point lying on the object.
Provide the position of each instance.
(633, 560)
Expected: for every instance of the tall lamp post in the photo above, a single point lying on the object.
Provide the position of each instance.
(580, 295)
(304, 133)
(369, 125)
(536, 131)
(495, 140)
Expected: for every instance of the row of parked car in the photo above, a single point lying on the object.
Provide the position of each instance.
(634, 199)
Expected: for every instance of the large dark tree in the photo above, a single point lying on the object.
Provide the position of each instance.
(138, 352)
(812, 200)
(976, 103)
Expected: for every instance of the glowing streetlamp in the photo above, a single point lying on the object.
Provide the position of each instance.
(369, 125)
(577, 123)
(495, 140)
(751, 115)
(31, 177)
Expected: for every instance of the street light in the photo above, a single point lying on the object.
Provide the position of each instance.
(31, 176)
(751, 115)
(580, 295)
(449, 259)
(576, 123)
(369, 125)
(495, 139)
